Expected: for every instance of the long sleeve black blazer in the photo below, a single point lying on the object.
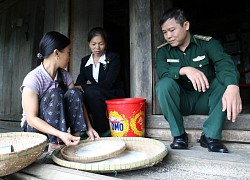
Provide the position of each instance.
(109, 76)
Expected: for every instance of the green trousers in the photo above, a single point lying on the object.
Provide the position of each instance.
(176, 102)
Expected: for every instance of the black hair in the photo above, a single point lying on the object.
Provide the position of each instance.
(53, 40)
(174, 13)
(98, 31)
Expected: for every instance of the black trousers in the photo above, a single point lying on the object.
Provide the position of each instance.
(62, 111)
(94, 99)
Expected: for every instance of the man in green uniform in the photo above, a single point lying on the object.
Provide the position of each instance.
(196, 76)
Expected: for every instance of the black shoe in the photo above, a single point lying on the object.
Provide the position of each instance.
(180, 142)
(213, 145)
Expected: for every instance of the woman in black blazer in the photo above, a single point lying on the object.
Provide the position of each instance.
(99, 79)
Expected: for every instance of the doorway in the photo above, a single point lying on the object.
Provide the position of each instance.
(116, 23)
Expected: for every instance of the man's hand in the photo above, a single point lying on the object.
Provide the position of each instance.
(231, 102)
(198, 78)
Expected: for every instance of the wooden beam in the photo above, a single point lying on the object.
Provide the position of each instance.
(158, 8)
(140, 51)
(55, 172)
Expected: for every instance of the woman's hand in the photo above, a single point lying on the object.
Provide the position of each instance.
(69, 140)
(92, 134)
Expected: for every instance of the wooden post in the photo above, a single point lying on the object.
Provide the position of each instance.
(140, 51)
(158, 8)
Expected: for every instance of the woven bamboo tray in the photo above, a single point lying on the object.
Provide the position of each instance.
(140, 153)
(27, 148)
(92, 151)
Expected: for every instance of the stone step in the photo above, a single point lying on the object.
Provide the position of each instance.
(196, 122)
(194, 135)
(158, 127)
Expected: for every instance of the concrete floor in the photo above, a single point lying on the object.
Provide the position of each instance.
(197, 163)
(194, 164)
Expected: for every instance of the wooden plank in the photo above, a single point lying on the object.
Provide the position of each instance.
(16, 51)
(50, 10)
(140, 51)
(19, 54)
(6, 78)
(2, 37)
(9, 126)
(21, 176)
(38, 31)
(11, 117)
(84, 16)
(57, 16)
(54, 172)
(158, 8)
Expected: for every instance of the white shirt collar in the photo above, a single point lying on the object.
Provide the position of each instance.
(101, 60)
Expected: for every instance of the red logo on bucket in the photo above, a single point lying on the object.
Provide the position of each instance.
(137, 124)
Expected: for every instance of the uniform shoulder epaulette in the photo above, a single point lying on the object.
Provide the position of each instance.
(201, 37)
(164, 44)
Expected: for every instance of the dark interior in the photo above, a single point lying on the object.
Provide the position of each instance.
(116, 22)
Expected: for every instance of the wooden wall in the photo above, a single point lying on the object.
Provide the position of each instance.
(17, 42)
(74, 19)
(56, 16)
(85, 15)
(19, 45)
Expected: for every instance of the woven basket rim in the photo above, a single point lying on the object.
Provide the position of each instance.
(112, 153)
(15, 161)
(106, 168)
(22, 153)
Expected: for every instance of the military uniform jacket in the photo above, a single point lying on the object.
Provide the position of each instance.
(203, 53)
